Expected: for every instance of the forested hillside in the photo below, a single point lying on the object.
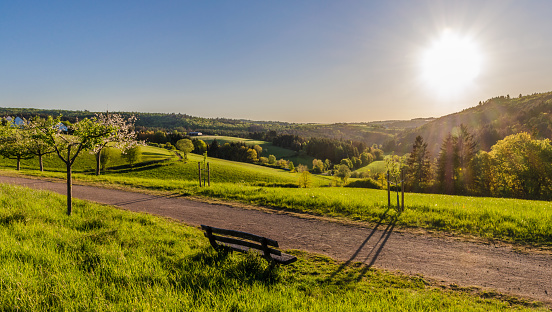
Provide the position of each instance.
(369, 133)
(489, 122)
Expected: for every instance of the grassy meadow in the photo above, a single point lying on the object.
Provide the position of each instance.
(224, 171)
(513, 220)
(159, 163)
(377, 166)
(86, 162)
(106, 259)
(268, 149)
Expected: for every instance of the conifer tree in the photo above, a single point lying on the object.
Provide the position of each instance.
(419, 167)
(446, 163)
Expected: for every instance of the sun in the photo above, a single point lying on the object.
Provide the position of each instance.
(450, 64)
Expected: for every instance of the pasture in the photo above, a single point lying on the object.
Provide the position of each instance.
(374, 167)
(105, 259)
(222, 171)
(268, 149)
(512, 220)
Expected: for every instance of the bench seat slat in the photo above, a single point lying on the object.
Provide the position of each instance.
(244, 235)
(234, 241)
(283, 258)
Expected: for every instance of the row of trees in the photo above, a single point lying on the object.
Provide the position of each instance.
(236, 151)
(41, 136)
(516, 166)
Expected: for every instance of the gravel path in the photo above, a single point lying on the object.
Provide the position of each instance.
(445, 260)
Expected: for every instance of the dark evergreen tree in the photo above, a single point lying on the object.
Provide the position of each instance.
(446, 163)
(419, 167)
(466, 149)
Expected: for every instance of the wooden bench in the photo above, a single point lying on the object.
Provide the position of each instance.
(243, 242)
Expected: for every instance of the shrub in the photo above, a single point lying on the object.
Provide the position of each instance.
(365, 183)
(304, 179)
(133, 155)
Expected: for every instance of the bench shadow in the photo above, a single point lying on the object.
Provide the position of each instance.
(250, 268)
(375, 251)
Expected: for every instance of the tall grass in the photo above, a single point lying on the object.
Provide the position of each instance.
(514, 220)
(104, 259)
(494, 218)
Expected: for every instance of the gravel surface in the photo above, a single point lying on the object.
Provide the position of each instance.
(442, 259)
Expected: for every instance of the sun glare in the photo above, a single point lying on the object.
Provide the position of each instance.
(450, 64)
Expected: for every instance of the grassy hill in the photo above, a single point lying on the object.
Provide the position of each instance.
(159, 163)
(490, 121)
(374, 167)
(268, 149)
(222, 171)
(105, 259)
(86, 163)
(518, 221)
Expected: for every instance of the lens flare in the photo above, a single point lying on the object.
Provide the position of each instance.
(450, 64)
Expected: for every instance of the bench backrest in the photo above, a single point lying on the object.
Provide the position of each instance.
(239, 238)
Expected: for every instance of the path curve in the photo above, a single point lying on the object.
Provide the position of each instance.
(445, 260)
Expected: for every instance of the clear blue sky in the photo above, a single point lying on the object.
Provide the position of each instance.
(297, 61)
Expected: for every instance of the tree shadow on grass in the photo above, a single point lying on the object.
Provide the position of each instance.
(147, 198)
(147, 165)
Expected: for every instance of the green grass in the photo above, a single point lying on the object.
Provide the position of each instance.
(105, 259)
(159, 163)
(512, 220)
(268, 149)
(227, 139)
(222, 171)
(377, 166)
(86, 162)
(150, 153)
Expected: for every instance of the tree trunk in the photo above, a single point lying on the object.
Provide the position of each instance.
(40, 163)
(98, 162)
(69, 183)
(18, 163)
(69, 191)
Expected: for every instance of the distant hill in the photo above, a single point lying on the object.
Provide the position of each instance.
(490, 121)
(402, 124)
(370, 133)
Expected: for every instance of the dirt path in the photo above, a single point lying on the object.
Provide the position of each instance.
(445, 260)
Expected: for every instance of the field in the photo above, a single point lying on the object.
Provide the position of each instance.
(158, 163)
(512, 220)
(221, 171)
(87, 163)
(105, 259)
(377, 166)
(268, 149)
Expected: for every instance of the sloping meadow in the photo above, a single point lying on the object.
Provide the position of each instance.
(105, 259)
